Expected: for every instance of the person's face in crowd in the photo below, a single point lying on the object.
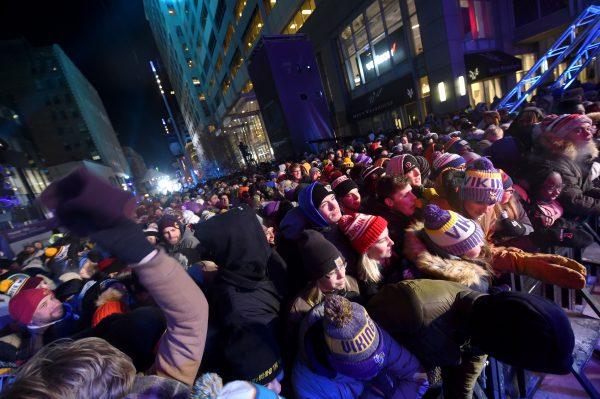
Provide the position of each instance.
(224, 201)
(151, 239)
(489, 119)
(414, 177)
(269, 234)
(582, 134)
(552, 187)
(158, 213)
(417, 148)
(316, 176)
(579, 109)
(214, 200)
(382, 249)
(404, 140)
(403, 201)
(331, 156)
(296, 174)
(475, 209)
(49, 309)
(90, 268)
(330, 209)
(508, 193)
(351, 201)
(171, 235)
(38, 245)
(334, 280)
(473, 252)
(29, 249)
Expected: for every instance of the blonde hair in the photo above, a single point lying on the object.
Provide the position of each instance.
(368, 269)
(314, 296)
(68, 369)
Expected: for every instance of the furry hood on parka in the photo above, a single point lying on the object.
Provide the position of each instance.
(474, 274)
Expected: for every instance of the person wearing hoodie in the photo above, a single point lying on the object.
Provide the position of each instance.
(318, 210)
(344, 354)
(448, 325)
(91, 367)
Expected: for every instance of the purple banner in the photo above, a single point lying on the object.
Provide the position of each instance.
(30, 230)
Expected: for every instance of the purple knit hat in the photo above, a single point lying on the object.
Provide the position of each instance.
(446, 160)
(353, 339)
(270, 208)
(363, 158)
(483, 183)
(450, 231)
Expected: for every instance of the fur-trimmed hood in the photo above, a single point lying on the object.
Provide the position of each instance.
(470, 274)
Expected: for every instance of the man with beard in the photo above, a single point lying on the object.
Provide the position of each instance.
(568, 148)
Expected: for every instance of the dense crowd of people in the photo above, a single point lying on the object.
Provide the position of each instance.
(378, 268)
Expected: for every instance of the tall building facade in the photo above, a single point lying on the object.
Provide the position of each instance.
(136, 165)
(383, 63)
(62, 112)
(204, 45)
(389, 63)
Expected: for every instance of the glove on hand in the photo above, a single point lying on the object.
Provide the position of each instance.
(551, 269)
(85, 203)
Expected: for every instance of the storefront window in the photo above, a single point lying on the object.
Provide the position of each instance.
(485, 91)
(367, 56)
(424, 86)
(478, 22)
(300, 17)
(528, 60)
(415, 30)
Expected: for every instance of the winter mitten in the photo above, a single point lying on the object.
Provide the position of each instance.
(86, 203)
(551, 269)
(126, 241)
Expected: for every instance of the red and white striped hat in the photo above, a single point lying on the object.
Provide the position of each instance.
(362, 230)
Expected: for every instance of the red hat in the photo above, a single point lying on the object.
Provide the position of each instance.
(362, 230)
(22, 306)
(109, 308)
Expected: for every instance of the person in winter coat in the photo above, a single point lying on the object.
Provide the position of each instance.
(448, 325)
(370, 239)
(179, 240)
(91, 367)
(326, 268)
(251, 280)
(568, 148)
(474, 194)
(456, 249)
(318, 210)
(546, 213)
(410, 167)
(344, 354)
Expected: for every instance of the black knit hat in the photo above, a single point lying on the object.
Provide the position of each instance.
(252, 354)
(319, 256)
(343, 185)
(523, 330)
(319, 193)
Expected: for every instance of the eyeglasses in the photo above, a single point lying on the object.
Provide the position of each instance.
(555, 187)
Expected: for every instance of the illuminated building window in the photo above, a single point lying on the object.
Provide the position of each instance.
(228, 37)
(253, 30)
(248, 87)
(239, 9)
(201, 97)
(236, 63)
(367, 56)
(218, 63)
(196, 81)
(415, 30)
(225, 85)
(269, 5)
(171, 9)
(300, 17)
(424, 86)
(190, 62)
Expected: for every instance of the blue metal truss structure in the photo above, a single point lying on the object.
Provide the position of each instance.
(580, 41)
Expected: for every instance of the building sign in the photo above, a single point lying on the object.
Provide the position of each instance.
(480, 66)
(399, 92)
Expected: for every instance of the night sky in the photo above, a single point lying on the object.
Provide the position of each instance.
(110, 41)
